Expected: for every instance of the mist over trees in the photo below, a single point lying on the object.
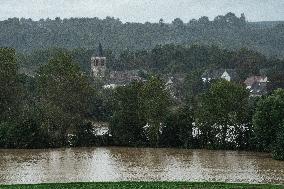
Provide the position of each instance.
(228, 31)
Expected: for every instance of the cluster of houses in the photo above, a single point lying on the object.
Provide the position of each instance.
(257, 85)
(113, 79)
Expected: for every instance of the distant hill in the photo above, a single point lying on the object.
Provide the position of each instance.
(266, 24)
(228, 31)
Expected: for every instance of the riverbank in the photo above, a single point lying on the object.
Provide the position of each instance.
(145, 185)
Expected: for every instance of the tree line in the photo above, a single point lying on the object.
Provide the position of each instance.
(57, 106)
(223, 117)
(229, 31)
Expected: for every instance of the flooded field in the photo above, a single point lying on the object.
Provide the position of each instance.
(137, 164)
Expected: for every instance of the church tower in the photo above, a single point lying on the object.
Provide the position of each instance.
(98, 64)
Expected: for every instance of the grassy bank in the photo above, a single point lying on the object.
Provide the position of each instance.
(144, 185)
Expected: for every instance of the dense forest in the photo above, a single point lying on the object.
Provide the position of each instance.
(228, 31)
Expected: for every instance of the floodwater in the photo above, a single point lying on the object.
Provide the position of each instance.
(137, 164)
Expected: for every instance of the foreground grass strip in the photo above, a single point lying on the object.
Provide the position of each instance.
(143, 185)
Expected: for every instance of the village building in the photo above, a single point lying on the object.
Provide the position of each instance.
(227, 74)
(112, 78)
(122, 78)
(98, 64)
(257, 85)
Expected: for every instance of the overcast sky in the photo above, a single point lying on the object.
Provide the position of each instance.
(142, 10)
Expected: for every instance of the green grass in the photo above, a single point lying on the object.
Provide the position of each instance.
(144, 185)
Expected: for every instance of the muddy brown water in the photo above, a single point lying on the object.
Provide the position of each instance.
(134, 164)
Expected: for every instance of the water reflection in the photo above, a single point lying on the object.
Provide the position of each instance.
(119, 164)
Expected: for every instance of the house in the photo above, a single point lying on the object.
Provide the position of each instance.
(121, 78)
(227, 74)
(257, 85)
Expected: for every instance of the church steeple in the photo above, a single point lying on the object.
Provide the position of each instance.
(98, 63)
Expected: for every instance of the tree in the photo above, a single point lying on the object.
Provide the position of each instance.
(220, 20)
(161, 22)
(247, 63)
(140, 105)
(221, 110)
(155, 104)
(204, 20)
(65, 97)
(25, 132)
(9, 85)
(177, 129)
(4, 139)
(177, 22)
(268, 119)
(127, 122)
(62, 83)
(85, 136)
(18, 124)
(275, 72)
(193, 85)
(278, 148)
(243, 18)
(231, 18)
(193, 22)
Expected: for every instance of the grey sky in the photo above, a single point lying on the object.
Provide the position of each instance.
(142, 10)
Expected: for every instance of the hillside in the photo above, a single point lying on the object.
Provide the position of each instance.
(228, 31)
(266, 24)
